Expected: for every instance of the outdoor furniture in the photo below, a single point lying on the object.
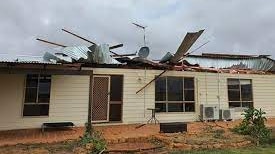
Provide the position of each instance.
(57, 125)
(153, 116)
(173, 127)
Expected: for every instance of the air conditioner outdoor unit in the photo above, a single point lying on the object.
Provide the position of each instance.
(209, 112)
(227, 114)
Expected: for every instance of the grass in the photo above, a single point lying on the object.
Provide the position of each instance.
(267, 149)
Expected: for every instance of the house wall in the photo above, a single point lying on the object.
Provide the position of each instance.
(69, 96)
(211, 88)
(68, 102)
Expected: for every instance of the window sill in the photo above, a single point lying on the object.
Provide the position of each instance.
(35, 117)
(239, 109)
(175, 112)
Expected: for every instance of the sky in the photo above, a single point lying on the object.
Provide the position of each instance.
(231, 26)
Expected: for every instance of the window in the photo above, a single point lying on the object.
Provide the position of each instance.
(37, 95)
(174, 94)
(240, 93)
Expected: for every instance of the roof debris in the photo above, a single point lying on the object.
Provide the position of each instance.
(188, 41)
(100, 55)
(241, 62)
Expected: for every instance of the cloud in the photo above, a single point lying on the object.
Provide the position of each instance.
(232, 26)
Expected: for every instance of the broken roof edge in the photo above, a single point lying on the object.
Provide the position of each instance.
(229, 56)
(180, 68)
(183, 67)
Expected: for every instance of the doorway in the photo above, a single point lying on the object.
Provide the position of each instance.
(100, 105)
(107, 98)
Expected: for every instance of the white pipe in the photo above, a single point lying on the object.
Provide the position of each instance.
(219, 96)
(205, 83)
(144, 94)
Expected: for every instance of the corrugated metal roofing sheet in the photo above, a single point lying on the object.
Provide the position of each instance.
(188, 41)
(254, 63)
(75, 52)
(25, 59)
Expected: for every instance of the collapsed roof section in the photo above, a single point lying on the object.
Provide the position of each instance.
(100, 56)
(94, 54)
(237, 62)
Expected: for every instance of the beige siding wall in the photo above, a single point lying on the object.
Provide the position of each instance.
(211, 88)
(68, 102)
(135, 105)
(69, 96)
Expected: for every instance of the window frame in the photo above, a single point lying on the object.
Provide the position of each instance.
(183, 102)
(240, 93)
(37, 94)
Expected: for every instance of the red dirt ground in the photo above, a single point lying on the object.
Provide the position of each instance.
(112, 134)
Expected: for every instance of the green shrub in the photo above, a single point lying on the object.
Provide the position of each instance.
(93, 137)
(253, 125)
(96, 140)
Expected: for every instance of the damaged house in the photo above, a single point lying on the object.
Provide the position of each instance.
(59, 86)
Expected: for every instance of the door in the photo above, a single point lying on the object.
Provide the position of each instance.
(116, 98)
(100, 103)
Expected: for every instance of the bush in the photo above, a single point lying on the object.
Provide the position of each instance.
(253, 125)
(96, 140)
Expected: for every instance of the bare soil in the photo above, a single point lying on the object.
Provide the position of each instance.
(122, 138)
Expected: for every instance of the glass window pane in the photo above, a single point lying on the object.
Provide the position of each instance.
(245, 81)
(233, 95)
(115, 112)
(234, 104)
(233, 84)
(160, 89)
(189, 95)
(116, 88)
(30, 95)
(246, 92)
(175, 88)
(188, 83)
(175, 107)
(189, 107)
(247, 104)
(160, 107)
(44, 89)
(36, 110)
(32, 81)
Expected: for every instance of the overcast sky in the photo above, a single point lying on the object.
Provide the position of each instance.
(231, 26)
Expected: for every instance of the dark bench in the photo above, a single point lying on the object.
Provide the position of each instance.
(57, 125)
(173, 127)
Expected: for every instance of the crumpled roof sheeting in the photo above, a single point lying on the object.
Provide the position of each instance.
(166, 57)
(255, 63)
(101, 54)
(75, 52)
(56, 58)
(94, 54)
